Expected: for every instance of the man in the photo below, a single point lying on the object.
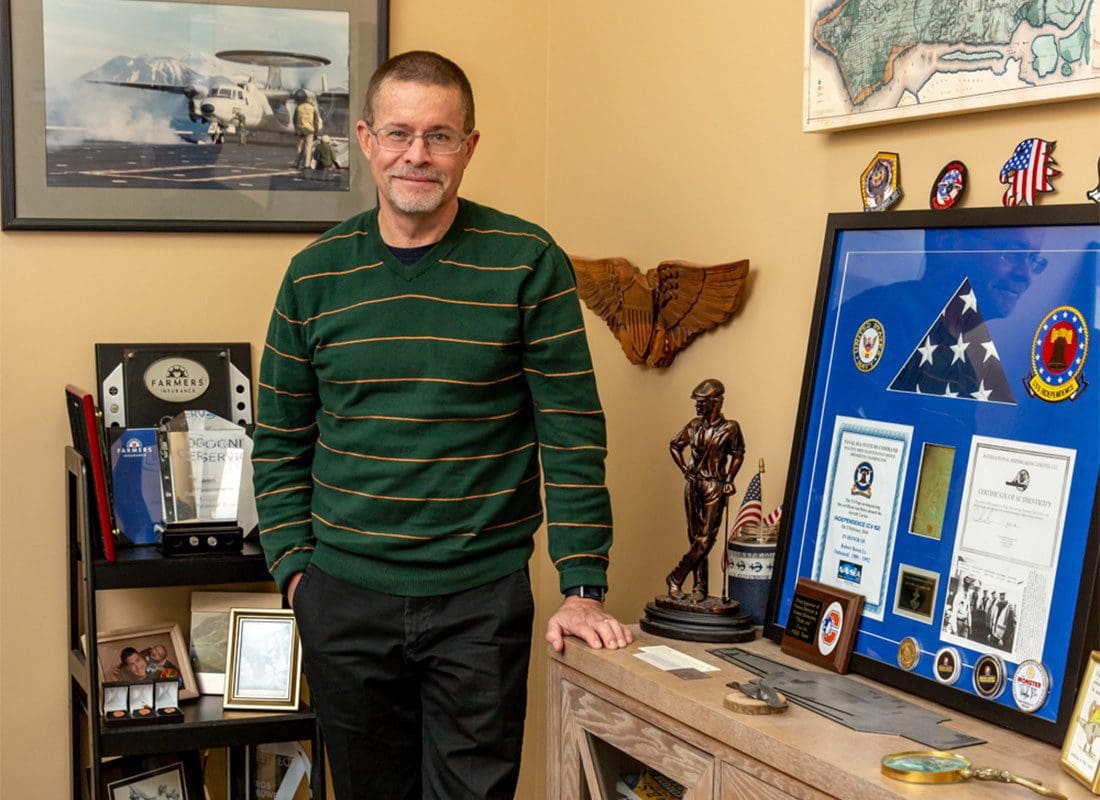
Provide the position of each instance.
(132, 667)
(241, 123)
(307, 122)
(717, 452)
(421, 359)
(1004, 624)
(980, 614)
(962, 612)
(323, 154)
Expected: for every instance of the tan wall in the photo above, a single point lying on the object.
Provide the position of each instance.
(687, 144)
(639, 129)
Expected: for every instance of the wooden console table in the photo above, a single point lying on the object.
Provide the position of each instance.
(610, 712)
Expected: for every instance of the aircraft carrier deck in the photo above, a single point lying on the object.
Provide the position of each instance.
(249, 167)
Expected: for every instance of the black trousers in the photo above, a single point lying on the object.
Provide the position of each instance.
(418, 697)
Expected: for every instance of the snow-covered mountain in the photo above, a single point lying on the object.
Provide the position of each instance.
(161, 70)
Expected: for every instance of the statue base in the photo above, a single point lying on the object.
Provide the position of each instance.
(709, 620)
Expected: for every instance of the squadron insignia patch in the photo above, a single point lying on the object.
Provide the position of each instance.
(1058, 354)
(948, 189)
(880, 183)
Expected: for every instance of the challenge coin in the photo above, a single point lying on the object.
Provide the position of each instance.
(989, 676)
(948, 665)
(1030, 685)
(908, 653)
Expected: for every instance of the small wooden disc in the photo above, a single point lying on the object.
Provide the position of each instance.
(739, 703)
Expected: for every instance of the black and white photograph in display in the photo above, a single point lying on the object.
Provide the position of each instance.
(982, 609)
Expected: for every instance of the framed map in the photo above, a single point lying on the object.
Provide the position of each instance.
(870, 62)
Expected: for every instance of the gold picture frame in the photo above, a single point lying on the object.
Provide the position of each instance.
(1078, 757)
(264, 661)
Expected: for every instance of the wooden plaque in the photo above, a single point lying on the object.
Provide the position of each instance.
(822, 624)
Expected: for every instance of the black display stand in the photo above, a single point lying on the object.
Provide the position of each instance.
(732, 626)
(205, 724)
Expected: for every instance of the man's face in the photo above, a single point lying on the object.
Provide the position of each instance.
(1008, 278)
(416, 182)
(136, 664)
(707, 407)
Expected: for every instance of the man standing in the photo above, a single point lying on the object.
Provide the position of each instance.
(1004, 624)
(422, 359)
(307, 122)
(962, 612)
(981, 614)
(717, 450)
(241, 122)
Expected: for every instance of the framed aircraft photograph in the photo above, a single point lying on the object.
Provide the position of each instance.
(946, 465)
(179, 115)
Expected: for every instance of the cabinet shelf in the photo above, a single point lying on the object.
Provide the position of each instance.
(140, 567)
(205, 724)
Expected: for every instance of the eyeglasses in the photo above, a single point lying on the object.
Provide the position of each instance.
(439, 143)
(1014, 260)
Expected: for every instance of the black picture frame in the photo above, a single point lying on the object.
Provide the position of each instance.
(841, 383)
(183, 769)
(29, 202)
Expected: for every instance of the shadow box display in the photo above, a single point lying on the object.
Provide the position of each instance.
(944, 465)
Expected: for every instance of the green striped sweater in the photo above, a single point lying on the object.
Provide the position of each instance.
(403, 412)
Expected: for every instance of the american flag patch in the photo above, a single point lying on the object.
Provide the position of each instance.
(1029, 172)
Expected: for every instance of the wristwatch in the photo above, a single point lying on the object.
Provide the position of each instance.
(596, 593)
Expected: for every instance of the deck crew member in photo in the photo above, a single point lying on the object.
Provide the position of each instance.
(423, 358)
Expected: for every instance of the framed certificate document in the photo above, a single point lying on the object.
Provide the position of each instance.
(945, 466)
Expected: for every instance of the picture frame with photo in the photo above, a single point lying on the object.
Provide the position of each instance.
(201, 134)
(166, 776)
(209, 638)
(264, 661)
(1080, 751)
(141, 653)
(915, 593)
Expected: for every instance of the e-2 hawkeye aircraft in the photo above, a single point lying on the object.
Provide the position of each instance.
(268, 108)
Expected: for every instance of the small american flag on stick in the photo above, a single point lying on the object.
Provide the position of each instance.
(751, 511)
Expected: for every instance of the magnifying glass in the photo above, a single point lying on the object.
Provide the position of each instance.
(938, 766)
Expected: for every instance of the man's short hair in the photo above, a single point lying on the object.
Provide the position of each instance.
(126, 653)
(421, 66)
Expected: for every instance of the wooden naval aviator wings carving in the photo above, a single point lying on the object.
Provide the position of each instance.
(656, 315)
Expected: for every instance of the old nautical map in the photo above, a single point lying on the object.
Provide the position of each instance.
(873, 61)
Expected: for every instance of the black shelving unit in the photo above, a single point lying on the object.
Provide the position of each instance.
(205, 724)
